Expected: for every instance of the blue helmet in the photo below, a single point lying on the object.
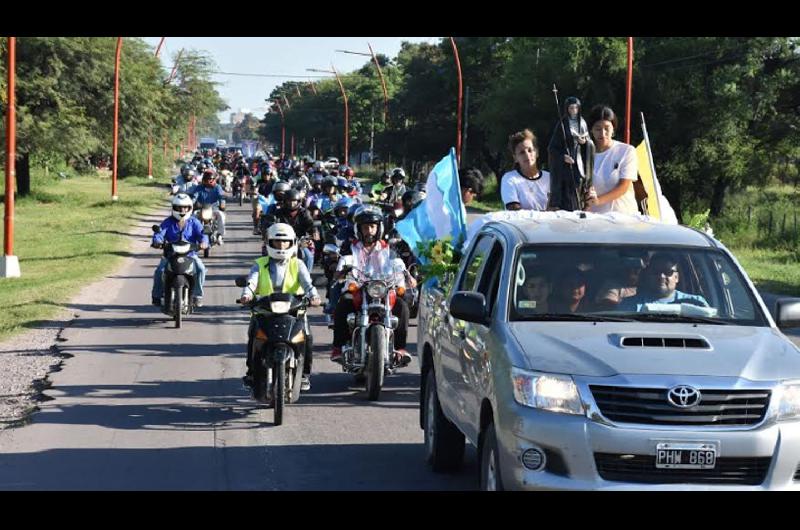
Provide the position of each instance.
(341, 182)
(344, 202)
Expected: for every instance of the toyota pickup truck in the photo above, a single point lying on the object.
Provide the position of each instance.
(582, 351)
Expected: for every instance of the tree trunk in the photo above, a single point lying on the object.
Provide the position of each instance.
(23, 168)
(718, 196)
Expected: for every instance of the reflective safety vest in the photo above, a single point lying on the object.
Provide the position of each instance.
(291, 281)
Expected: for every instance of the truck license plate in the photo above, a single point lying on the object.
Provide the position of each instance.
(686, 456)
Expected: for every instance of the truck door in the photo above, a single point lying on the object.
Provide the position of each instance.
(474, 357)
(454, 332)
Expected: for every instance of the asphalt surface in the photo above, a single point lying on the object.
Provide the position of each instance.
(144, 406)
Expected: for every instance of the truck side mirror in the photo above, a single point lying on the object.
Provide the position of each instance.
(787, 313)
(469, 306)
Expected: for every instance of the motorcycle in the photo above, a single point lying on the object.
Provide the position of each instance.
(178, 278)
(369, 355)
(282, 340)
(240, 188)
(205, 213)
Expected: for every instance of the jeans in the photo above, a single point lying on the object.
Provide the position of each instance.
(341, 331)
(308, 257)
(220, 221)
(199, 277)
(333, 297)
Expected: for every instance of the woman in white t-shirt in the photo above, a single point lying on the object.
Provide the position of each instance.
(615, 167)
(525, 187)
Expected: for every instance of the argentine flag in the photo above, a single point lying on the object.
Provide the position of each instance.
(441, 214)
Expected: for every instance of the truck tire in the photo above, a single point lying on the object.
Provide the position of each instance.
(444, 443)
(490, 479)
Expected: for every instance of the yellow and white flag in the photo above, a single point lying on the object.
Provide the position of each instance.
(658, 206)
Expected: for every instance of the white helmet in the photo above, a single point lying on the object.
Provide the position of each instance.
(281, 232)
(182, 207)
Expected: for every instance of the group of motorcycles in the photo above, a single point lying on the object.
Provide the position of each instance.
(282, 337)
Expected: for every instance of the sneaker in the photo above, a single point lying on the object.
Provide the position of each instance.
(305, 384)
(256, 232)
(247, 380)
(157, 302)
(220, 242)
(336, 354)
(197, 301)
(403, 357)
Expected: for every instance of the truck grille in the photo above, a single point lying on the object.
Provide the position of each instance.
(650, 406)
(642, 470)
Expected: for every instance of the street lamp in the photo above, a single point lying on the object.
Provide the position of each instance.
(346, 111)
(380, 74)
(460, 92)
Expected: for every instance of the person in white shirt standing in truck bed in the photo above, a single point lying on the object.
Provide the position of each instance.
(525, 187)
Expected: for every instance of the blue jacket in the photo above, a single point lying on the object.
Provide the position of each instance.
(171, 232)
(204, 195)
(637, 302)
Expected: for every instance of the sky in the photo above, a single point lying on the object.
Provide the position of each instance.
(275, 55)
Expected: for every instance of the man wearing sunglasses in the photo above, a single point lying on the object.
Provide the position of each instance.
(658, 285)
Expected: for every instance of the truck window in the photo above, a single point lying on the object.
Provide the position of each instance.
(476, 259)
(489, 282)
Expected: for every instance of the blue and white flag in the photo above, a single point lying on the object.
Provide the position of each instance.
(441, 214)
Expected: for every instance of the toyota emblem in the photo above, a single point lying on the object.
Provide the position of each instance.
(683, 396)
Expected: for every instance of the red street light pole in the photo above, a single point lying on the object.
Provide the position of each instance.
(346, 111)
(9, 266)
(161, 43)
(114, 195)
(283, 128)
(380, 75)
(460, 93)
(628, 92)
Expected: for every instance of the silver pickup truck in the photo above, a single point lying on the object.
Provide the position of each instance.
(582, 351)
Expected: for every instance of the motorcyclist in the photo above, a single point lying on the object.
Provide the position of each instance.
(350, 175)
(184, 179)
(329, 195)
(209, 192)
(371, 253)
(378, 188)
(394, 193)
(180, 225)
(267, 205)
(280, 271)
(291, 212)
(263, 189)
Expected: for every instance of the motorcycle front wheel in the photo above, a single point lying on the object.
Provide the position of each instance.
(177, 301)
(377, 350)
(279, 390)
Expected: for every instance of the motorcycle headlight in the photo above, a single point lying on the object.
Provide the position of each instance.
(181, 248)
(279, 307)
(298, 338)
(376, 289)
(789, 408)
(554, 393)
(206, 214)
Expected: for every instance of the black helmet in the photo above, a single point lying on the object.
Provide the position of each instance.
(329, 182)
(411, 199)
(279, 190)
(398, 173)
(292, 196)
(368, 215)
(186, 169)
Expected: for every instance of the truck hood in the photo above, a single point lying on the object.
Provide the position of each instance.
(594, 349)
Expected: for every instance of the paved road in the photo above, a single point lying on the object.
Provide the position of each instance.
(142, 405)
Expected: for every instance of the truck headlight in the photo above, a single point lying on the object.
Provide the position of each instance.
(554, 393)
(789, 408)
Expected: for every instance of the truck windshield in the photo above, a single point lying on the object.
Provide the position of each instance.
(631, 282)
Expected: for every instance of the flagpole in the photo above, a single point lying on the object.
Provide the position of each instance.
(628, 92)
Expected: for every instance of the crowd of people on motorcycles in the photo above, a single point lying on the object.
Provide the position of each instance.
(305, 213)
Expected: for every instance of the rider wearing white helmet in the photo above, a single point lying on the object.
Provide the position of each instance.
(180, 225)
(281, 271)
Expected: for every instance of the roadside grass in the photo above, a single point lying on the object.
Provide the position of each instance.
(68, 233)
(760, 227)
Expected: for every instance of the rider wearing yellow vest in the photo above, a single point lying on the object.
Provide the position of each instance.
(280, 270)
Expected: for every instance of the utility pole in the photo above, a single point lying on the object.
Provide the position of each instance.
(9, 265)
